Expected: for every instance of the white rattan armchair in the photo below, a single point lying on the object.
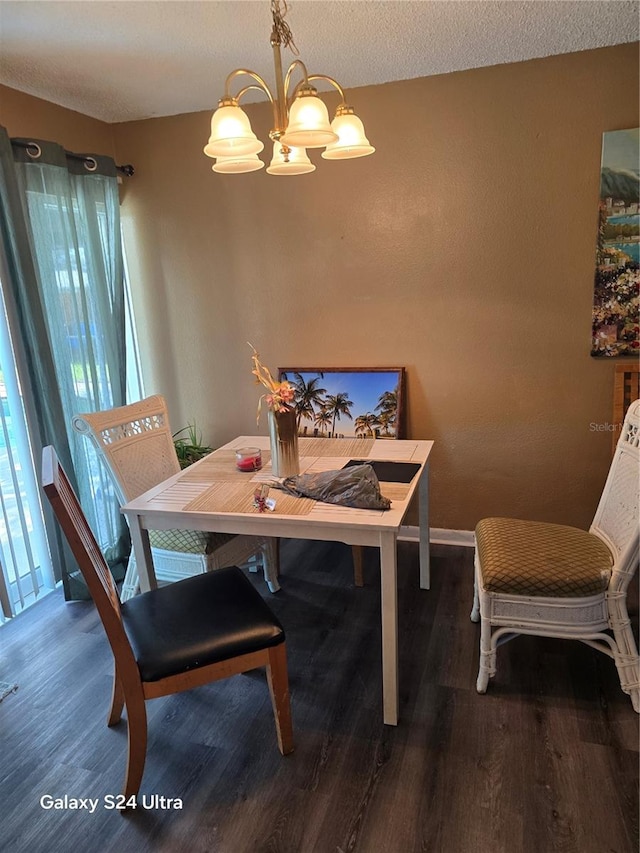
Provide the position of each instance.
(136, 445)
(556, 581)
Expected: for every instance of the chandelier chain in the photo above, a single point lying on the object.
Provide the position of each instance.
(281, 31)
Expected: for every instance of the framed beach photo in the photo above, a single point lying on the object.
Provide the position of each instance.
(348, 402)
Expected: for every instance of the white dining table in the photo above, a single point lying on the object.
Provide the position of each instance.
(212, 495)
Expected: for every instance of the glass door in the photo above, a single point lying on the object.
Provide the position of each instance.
(25, 566)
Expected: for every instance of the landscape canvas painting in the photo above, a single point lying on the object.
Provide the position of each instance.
(347, 402)
(616, 300)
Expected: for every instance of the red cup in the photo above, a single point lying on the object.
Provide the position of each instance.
(248, 459)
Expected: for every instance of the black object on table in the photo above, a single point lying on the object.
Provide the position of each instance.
(389, 472)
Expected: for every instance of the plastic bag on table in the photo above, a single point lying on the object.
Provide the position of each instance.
(356, 486)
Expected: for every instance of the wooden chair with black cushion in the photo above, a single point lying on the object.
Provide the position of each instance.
(171, 639)
(551, 580)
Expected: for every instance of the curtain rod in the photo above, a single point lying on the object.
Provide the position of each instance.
(127, 170)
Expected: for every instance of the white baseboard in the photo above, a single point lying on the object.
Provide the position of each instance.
(439, 536)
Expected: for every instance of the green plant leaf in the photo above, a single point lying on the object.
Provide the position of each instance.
(189, 448)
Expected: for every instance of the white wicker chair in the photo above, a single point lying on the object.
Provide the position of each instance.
(556, 581)
(136, 445)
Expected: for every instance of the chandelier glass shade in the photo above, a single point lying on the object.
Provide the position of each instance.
(300, 118)
(231, 133)
(308, 125)
(351, 140)
(236, 164)
(289, 161)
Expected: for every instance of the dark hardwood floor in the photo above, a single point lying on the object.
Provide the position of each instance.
(546, 761)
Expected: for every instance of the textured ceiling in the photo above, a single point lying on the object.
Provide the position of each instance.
(123, 60)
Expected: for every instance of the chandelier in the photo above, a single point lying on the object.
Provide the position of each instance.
(300, 118)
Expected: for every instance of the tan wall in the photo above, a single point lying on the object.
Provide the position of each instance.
(463, 249)
(24, 115)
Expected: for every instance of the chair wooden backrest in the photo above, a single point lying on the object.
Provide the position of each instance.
(135, 442)
(616, 520)
(626, 388)
(194, 656)
(89, 557)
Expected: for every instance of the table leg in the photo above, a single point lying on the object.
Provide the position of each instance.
(389, 608)
(423, 528)
(142, 551)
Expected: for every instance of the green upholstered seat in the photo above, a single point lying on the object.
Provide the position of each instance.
(188, 541)
(538, 559)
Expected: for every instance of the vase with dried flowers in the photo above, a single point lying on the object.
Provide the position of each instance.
(283, 427)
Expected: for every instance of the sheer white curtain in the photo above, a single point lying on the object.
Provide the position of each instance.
(65, 292)
(75, 223)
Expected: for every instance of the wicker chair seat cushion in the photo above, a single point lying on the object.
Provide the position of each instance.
(188, 541)
(535, 558)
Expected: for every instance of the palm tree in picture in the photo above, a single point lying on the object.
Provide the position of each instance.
(367, 424)
(387, 409)
(322, 419)
(338, 405)
(308, 395)
(386, 421)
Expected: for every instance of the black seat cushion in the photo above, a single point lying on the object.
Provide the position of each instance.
(198, 621)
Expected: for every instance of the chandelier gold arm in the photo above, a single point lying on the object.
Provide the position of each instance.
(307, 80)
(246, 89)
(333, 82)
(238, 71)
(261, 87)
(287, 80)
